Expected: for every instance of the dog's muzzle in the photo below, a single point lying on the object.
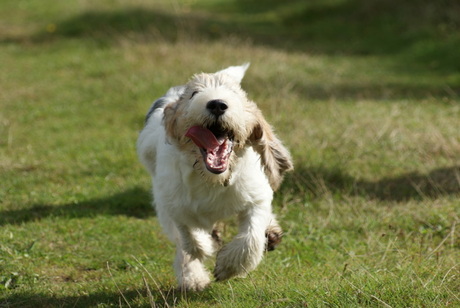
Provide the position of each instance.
(215, 144)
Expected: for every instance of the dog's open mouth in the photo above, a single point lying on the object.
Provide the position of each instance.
(215, 144)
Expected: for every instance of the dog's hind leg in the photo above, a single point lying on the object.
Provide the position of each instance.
(217, 236)
(274, 234)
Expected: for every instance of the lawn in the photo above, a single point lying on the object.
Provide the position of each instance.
(365, 94)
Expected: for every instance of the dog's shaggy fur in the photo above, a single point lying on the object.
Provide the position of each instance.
(212, 155)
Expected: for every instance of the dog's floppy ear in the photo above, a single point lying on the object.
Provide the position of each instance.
(170, 114)
(170, 117)
(236, 72)
(276, 159)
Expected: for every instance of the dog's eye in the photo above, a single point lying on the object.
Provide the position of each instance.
(193, 94)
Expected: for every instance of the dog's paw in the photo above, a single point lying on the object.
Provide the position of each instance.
(274, 235)
(229, 263)
(226, 271)
(194, 283)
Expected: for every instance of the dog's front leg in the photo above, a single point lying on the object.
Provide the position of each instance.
(193, 246)
(245, 252)
(190, 272)
(198, 243)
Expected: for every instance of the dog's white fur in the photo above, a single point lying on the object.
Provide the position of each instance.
(189, 199)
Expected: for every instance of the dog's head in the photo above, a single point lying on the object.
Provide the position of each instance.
(214, 122)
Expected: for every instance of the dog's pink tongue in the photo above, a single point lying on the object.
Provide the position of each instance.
(202, 137)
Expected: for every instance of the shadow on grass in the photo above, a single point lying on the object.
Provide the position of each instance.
(146, 297)
(316, 182)
(134, 202)
(411, 186)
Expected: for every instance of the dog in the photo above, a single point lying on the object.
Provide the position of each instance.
(212, 155)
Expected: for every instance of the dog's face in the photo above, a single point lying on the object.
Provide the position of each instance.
(213, 122)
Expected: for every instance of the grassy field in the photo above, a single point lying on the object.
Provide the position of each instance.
(366, 94)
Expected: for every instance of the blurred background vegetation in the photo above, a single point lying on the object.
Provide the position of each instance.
(419, 32)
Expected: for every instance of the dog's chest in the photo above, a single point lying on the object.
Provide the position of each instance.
(213, 199)
(194, 200)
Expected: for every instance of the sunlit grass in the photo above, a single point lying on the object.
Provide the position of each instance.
(370, 214)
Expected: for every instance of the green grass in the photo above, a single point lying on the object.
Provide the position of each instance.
(365, 94)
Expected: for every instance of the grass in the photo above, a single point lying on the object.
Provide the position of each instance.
(365, 94)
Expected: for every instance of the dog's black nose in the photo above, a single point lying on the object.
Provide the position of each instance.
(217, 107)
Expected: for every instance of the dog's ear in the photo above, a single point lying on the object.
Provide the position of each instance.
(171, 112)
(236, 72)
(276, 159)
(170, 116)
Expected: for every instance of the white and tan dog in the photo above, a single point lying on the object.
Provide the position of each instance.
(212, 155)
